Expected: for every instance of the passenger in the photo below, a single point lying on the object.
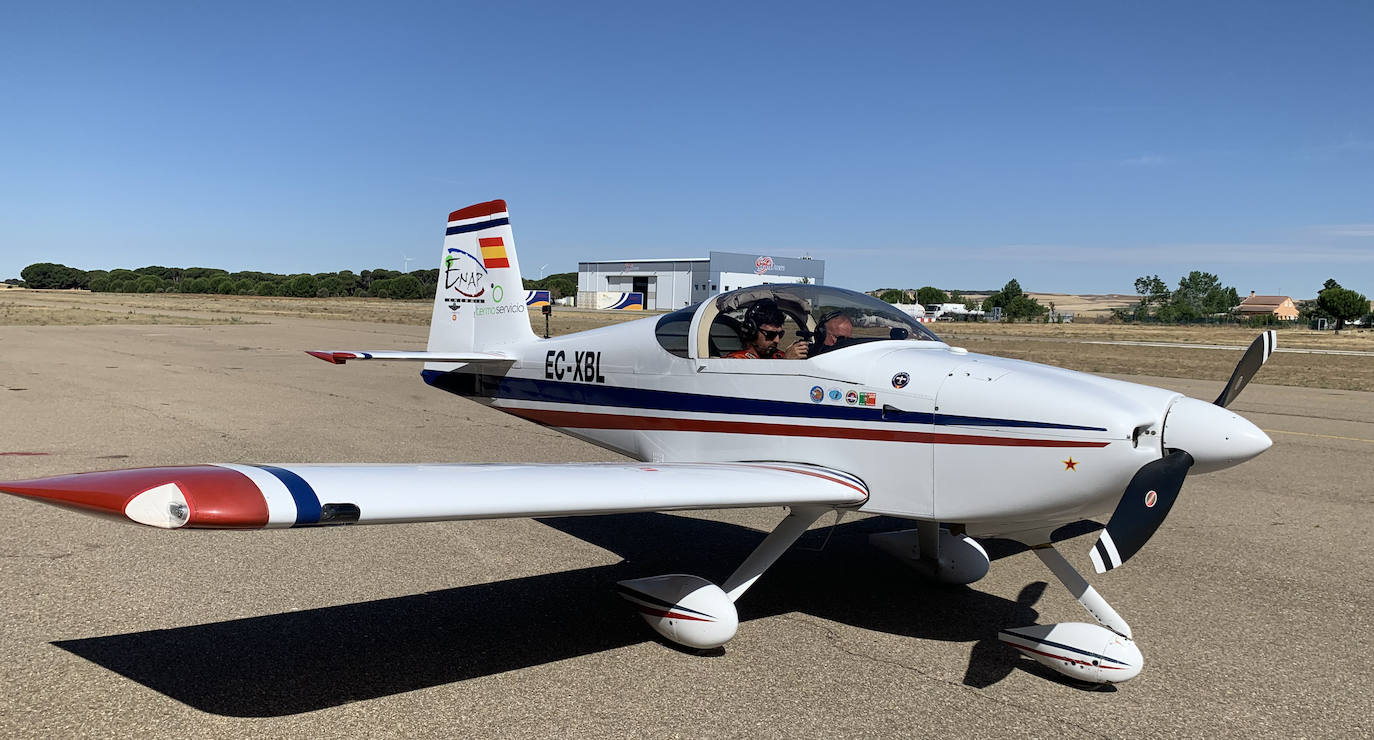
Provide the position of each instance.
(832, 331)
(760, 332)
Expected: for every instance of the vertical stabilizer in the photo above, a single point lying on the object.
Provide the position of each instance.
(479, 304)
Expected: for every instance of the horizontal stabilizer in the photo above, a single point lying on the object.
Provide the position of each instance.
(339, 357)
(234, 496)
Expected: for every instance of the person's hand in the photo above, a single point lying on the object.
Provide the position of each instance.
(797, 351)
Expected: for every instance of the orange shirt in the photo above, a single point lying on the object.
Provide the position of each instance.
(748, 354)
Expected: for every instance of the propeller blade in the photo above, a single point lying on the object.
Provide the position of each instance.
(1147, 500)
(1249, 364)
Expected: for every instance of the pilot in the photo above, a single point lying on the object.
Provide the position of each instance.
(760, 332)
(833, 329)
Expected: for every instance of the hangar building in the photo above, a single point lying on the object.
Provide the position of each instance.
(669, 284)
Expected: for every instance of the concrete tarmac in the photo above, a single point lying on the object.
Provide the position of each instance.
(1252, 604)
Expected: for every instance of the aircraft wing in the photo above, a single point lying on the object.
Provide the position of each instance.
(339, 357)
(233, 496)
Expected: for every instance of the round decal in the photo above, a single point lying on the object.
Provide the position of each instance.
(835, 394)
(851, 398)
(1150, 499)
(762, 265)
(497, 293)
(900, 380)
(817, 394)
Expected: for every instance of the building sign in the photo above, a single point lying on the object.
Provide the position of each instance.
(762, 265)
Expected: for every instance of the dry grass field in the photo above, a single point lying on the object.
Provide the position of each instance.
(1066, 345)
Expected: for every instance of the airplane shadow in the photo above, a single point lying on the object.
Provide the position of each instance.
(296, 662)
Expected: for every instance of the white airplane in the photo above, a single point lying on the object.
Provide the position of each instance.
(881, 417)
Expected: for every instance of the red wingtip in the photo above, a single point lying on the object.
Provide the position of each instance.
(481, 209)
(333, 358)
(216, 498)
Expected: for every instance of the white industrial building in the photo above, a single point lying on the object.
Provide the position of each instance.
(673, 283)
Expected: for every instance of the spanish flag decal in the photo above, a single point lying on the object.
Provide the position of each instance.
(493, 252)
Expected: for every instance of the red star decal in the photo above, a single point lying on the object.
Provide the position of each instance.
(1070, 464)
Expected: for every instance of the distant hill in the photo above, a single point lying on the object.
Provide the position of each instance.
(1081, 304)
(1086, 305)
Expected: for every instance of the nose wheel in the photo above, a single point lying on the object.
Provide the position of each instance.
(1098, 653)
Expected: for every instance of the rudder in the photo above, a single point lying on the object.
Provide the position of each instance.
(479, 303)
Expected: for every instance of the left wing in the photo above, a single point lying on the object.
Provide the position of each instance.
(231, 496)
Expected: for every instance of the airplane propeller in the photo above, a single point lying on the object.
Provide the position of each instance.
(1250, 363)
(1195, 435)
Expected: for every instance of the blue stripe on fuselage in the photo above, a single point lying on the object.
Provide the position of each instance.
(307, 503)
(553, 391)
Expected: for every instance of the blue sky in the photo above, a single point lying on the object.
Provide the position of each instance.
(1073, 146)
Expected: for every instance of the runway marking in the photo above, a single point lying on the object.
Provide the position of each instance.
(1180, 345)
(1323, 436)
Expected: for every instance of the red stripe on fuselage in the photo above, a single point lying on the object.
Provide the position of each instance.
(585, 420)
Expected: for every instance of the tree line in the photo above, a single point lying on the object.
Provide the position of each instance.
(1201, 296)
(1013, 301)
(379, 283)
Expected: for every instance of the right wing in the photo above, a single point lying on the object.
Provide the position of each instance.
(232, 496)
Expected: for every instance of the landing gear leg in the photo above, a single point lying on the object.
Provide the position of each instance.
(1088, 652)
(772, 548)
(1082, 590)
(694, 612)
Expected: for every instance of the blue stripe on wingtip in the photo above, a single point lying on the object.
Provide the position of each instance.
(307, 503)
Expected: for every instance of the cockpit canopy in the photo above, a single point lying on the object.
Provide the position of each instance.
(805, 308)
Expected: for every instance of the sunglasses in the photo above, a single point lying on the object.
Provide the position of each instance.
(770, 335)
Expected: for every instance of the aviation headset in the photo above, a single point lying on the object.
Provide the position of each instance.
(763, 312)
(819, 333)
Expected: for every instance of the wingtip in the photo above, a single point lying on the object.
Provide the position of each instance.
(333, 358)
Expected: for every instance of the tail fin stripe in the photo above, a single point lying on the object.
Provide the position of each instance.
(479, 210)
(480, 225)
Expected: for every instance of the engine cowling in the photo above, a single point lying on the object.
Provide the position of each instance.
(1087, 652)
(685, 609)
